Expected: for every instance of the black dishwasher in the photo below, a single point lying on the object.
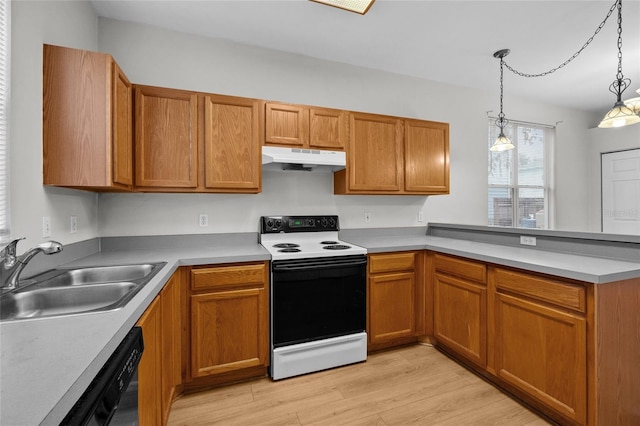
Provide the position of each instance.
(112, 397)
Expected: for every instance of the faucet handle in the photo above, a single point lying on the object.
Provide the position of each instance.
(8, 252)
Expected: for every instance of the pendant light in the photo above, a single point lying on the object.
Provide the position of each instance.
(620, 115)
(502, 143)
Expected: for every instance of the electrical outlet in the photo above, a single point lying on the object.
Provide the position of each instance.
(203, 220)
(420, 216)
(527, 240)
(367, 217)
(73, 224)
(46, 227)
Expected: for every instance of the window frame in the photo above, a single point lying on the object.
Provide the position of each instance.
(5, 107)
(513, 187)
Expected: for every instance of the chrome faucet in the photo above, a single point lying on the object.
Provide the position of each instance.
(12, 265)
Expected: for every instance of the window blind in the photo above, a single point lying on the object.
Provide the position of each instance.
(5, 86)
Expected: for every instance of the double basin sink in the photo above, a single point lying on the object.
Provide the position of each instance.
(75, 291)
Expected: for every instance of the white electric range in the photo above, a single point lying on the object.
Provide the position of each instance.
(318, 295)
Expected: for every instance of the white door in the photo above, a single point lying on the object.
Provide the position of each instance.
(621, 192)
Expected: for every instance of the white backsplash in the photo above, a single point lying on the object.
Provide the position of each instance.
(283, 193)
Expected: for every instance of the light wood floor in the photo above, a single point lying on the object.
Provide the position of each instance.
(413, 385)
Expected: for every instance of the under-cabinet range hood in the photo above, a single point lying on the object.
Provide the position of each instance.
(276, 158)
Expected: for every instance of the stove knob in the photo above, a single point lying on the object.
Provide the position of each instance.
(269, 223)
(278, 223)
(332, 222)
(325, 222)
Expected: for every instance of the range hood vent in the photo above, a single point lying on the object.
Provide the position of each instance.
(299, 159)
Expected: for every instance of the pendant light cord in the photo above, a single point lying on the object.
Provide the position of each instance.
(501, 122)
(620, 84)
(617, 4)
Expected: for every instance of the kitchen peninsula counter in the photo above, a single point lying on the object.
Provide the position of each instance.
(564, 254)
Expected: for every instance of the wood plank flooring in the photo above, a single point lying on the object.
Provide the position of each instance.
(415, 385)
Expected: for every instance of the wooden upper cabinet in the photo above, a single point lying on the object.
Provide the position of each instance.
(329, 128)
(232, 144)
(286, 125)
(374, 156)
(426, 157)
(122, 116)
(166, 138)
(300, 126)
(391, 155)
(87, 119)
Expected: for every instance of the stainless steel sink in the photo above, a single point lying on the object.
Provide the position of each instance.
(62, 292)
(93, 275)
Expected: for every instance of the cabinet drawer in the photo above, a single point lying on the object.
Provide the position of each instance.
(571, 296)
(391, 262)
(239, 275)
(461, 268)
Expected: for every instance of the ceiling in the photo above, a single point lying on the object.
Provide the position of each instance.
(445, 41)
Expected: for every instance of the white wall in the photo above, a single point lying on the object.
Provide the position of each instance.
(603, 141)
(165, 58)
(72, 24)
(153, 56)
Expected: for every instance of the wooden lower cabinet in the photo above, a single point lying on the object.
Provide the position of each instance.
(159, 369)
(543, 352)
(395, 313)
(460, 307)
(170, 299)
(149, 369)
(541, 339)
(460, 313)
(525, 331)
(229, 320)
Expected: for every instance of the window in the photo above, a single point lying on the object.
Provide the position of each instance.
(519, 178)
(5, 67)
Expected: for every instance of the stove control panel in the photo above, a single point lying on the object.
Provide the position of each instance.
(286, 224)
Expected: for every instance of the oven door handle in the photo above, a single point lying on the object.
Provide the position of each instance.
(316, 265)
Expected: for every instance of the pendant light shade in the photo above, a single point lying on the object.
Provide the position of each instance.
(621, 114)
(503, 143)
(618, 116)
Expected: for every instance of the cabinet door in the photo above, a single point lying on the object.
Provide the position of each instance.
(229, 331)
(328, 128)
(166, 138)
(171, 341)
(426, 157)
(149, 377)
(122, 118)
(391, 306)
(542, 351)
(286, 125)
(460, 317)
(233, 160)
(86, 121)
(375, 153)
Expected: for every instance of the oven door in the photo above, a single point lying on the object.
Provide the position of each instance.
(314, 299)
